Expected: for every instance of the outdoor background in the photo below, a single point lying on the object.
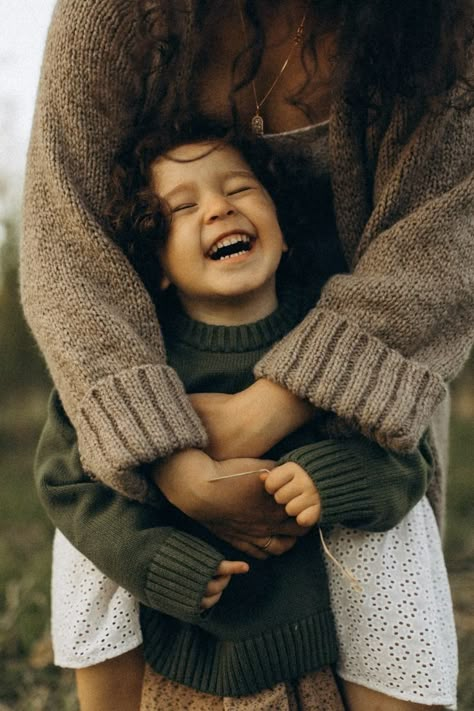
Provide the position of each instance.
(28, 680)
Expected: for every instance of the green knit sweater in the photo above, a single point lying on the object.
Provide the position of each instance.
(273, 623)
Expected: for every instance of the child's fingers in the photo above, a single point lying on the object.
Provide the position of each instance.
(225, 570)
(220, 581)
(309, 516)
(287, 493)
(301, 502)
(232, 567)
(217, 585)
(210, 601)
(277, 478)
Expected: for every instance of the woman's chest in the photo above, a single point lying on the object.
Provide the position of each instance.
(274, 92)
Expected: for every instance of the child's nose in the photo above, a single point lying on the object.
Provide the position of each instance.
(218, 208)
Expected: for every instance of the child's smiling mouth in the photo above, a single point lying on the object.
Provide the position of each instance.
(231, 245)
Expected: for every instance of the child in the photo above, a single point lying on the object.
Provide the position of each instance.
(222, 265)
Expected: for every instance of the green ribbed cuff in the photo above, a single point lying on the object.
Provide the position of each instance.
(339, 474)
(179, 574)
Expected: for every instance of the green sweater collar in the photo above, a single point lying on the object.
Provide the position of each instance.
(180, 328)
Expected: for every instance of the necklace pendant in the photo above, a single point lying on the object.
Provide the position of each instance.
(257, 125)
(299, 35)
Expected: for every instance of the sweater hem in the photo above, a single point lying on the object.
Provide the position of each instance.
(242, 667)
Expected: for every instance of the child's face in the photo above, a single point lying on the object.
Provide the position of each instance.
(224, 240)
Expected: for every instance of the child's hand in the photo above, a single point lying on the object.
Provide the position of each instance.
(216, 586)
(292, 487)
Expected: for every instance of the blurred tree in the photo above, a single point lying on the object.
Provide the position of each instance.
(21, 366)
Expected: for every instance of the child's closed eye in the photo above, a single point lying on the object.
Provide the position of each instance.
(241, 189)
(183, 206)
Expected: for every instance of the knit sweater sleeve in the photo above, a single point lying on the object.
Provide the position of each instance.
(132, 543)
(93, 319)
(383, 340)
(362, 485)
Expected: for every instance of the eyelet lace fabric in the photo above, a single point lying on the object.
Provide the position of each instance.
(397, 636)
(92, 618)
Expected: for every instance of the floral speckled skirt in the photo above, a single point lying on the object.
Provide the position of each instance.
(314, 692)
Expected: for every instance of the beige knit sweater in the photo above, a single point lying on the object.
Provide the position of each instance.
(378, 349)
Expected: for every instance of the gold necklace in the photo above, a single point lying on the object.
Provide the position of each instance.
(257, 120)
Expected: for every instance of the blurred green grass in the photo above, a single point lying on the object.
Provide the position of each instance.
(29, 681)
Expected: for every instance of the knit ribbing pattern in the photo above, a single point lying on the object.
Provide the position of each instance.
(377, 350)
(238, 668)
(350, 479)
(386, 395)
(129, 422)
(179, 574)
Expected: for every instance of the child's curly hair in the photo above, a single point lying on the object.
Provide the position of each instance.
(140, 220)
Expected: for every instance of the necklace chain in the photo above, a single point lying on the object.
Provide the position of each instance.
(257, 120)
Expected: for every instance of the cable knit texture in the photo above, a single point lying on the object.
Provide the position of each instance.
(378, 349)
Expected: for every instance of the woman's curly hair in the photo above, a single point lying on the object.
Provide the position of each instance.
(385, 49)
(139, 220)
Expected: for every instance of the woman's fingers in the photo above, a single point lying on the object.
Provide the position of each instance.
(246, 547)
(278, 545)
(291, 527)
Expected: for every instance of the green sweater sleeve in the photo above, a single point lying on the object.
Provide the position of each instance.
(362, 485)
(163, 567)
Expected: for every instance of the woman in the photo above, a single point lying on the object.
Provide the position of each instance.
(394, 324)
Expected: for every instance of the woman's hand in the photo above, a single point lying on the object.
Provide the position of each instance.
(237, 510)
(250, 422)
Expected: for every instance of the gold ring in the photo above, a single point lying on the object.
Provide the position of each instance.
(267, 544)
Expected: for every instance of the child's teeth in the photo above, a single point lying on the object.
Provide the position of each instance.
(225, 241)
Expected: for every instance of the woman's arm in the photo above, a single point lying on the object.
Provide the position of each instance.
(87, 308)
(383, 340)
(272, 410)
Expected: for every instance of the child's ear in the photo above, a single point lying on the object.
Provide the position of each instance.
(164, 282)
(284, 246)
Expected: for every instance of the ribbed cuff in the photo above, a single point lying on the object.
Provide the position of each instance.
(133, 418)
(341, 369)
(339, 475)
(179, 574)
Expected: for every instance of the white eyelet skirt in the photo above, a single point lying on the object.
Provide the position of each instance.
(397, 636)
(92, 618)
